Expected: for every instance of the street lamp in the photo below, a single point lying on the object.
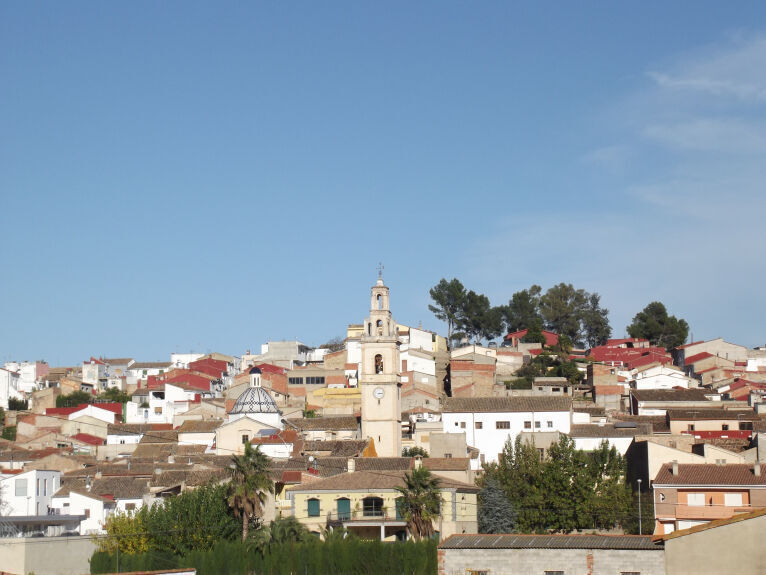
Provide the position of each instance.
(640, 530)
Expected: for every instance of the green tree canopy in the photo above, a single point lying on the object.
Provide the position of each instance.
(449, 300)
(420, 502)
(414, 451)
(523, 310)
(569, 490)
(250, 485)
(654, 323)
(73, 399)
(496, 514)
(595, 322)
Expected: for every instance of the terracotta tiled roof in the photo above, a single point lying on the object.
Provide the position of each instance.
(710, 474)
(199, 425)
(336, 448)
(609, 430)
(170, 436)
(702, 414)
(505, 404)
(659, 423)
(712, 525)
(360, 480)
(342, 423)
(670, 394)
(88, 438)
(697, 357)
(116, 487)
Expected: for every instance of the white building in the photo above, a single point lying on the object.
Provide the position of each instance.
(488, 422)
(9, 386)
(29, 373)
(28, 493)
(164, 404)
(182, 360)
(660, 377)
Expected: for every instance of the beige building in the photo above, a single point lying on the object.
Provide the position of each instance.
(365, 503)
(733, 545)
(380, 386)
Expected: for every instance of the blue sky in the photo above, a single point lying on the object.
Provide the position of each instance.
(185, 176)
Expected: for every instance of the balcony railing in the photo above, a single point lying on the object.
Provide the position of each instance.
(361, 515)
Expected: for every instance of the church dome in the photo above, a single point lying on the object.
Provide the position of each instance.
(254, 400)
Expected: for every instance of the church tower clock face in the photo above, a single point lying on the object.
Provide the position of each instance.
(379, 393)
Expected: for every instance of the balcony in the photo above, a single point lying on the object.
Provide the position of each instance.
(708, 512)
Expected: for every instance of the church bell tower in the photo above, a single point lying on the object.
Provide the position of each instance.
(379, 382)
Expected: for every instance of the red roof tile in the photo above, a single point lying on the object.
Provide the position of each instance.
(697, 357)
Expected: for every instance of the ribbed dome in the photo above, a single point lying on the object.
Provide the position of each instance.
(255, 400)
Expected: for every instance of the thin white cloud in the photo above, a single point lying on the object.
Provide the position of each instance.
(733, 71)
(730, 135)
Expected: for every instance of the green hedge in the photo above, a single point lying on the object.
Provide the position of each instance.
(346, 557)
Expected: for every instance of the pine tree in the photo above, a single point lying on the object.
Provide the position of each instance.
(496, 514)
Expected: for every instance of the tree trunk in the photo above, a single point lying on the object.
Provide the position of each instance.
(245, 525)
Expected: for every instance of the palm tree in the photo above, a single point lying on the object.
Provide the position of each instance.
(420, 502)
(250, 484)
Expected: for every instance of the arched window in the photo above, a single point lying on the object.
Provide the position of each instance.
(378, 363)
(369, 328)
(380, 301)
(379, 325)
(372, 507)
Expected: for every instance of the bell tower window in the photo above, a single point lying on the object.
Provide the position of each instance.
(379, 325)
(378, 363)
(380, 301)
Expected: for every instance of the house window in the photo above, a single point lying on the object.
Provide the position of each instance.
(556, 389)
(344, 508)
(295, 380)
(724, 427)
(541, 453)
(462, 425)
(662, 497)
(21, 488)
(158, 411)
(502, 425)
(550, 425)
(245, 438)
(313, 507)
(537, 425)
(372, 507)
(447, 456)
(732, 499)
(130, 506)
(478, 425)
(690, 427)
(315, 380)
(695, 499)
(87, 513)
(527, 425)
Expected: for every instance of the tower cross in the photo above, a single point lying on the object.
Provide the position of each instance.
(380, 270)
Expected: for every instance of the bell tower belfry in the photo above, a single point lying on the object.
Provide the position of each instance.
(379, 381)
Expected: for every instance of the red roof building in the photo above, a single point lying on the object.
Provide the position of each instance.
(551, 338)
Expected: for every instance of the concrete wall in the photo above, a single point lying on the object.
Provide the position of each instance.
(47, 555)
(712, 551)
(569, 561)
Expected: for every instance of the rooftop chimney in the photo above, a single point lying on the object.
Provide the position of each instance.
(351, 465)
(675, 468)
(757, 468)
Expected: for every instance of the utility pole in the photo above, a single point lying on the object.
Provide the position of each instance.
(640, 530)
